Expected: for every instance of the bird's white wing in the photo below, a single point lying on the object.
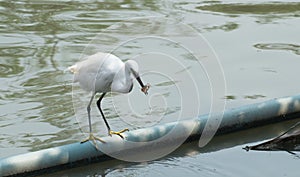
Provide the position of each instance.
(96, 73)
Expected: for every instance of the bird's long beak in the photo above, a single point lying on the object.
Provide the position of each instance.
(140, 81)
(144, 88)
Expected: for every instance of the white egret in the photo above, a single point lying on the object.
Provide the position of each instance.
(102, 73)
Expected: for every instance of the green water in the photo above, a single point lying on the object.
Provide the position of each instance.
(257, 43)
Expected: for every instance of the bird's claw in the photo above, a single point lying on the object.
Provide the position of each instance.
(110, 132)
(145, 89)
(92, 138)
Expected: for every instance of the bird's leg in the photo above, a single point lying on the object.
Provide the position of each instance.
(91, 136)
(110, 132)
(89, 112)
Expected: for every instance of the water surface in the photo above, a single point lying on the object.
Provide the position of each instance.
(257, 43)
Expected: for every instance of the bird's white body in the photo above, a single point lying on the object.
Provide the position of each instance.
(103, 72)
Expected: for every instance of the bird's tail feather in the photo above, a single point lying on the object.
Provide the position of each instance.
(73, 69)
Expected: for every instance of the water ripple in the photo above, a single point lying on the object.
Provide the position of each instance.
(9, 70)
(279, 46)
(261, 8)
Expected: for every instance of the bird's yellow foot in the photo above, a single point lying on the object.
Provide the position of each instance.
(118, 133)
(93, 139)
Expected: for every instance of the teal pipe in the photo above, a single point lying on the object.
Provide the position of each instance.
(153, 141)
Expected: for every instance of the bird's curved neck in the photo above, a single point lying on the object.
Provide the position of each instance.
(123, 81)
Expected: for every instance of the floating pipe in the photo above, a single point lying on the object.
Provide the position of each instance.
(149, 143)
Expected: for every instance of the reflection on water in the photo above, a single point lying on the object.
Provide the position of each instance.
(39, 39)
(226, 27)
(263, 8)
(254, 96)
(230, 97)
(233, 97)
(279, 46)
